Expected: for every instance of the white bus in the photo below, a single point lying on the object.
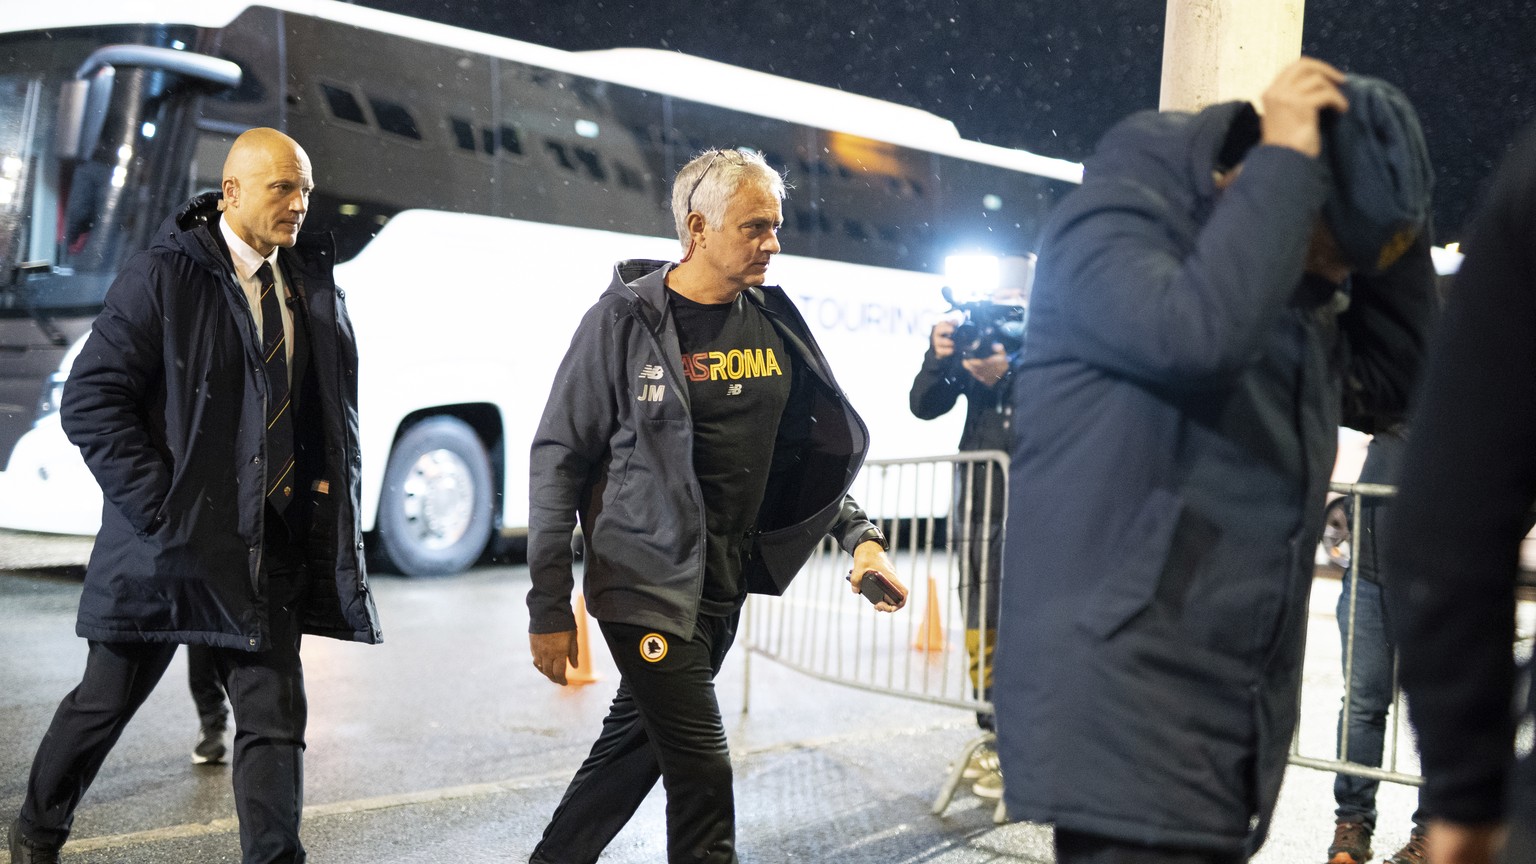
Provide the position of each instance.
(480, 189)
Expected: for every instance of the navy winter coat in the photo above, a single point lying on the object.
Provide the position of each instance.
(625, 464)
(166, 401)
(1176, 420)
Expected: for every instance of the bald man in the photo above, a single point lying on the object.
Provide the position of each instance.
(215, 401)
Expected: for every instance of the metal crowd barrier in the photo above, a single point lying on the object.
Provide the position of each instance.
(1398, 765)
(934, 512)
(1341, 546)
(942, 517)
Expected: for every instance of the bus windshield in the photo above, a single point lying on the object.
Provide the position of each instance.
(65, 223)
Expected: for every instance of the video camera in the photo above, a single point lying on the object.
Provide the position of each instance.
(986, 323)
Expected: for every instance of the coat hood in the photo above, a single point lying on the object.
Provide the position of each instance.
(190, 230)
(1175, 153)
(642, 281)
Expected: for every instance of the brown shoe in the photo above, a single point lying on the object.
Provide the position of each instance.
(1351, 843)
(1413, 852)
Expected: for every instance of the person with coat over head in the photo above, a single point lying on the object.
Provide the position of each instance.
(1219, 294)
(215, 402)
(695, 430)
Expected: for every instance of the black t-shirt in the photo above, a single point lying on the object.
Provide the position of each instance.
(739, 377)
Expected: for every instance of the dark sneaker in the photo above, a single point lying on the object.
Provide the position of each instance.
(1413, 852)
(210, 749)
(24, 851)
(1351, 843)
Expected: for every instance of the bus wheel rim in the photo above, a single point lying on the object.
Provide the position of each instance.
(438, 499)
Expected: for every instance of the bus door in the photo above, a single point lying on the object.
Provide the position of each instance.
(96, 132)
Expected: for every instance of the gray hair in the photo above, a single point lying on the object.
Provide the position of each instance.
(708, 181)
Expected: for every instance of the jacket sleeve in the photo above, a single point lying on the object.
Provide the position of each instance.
(1138, 301)
(1386, 332)
(937, 387)
(567, 461)
(1453, 534)
(107, 398)
(851, 524)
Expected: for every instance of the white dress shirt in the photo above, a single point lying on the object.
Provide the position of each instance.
(247, 262)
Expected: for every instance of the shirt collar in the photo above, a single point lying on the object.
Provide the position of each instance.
(247, 261)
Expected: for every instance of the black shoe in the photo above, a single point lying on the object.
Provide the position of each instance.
(210, 749)
(24, 851)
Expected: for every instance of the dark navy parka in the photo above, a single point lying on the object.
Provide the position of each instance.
(615, 447)
(1176, 417)
(166, 402)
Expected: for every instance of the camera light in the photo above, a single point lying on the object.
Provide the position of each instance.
(972, 275)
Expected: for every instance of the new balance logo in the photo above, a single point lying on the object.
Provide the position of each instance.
(652, 393)
(652, 373)
(733, 390)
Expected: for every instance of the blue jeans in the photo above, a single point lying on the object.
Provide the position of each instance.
(1369, 697)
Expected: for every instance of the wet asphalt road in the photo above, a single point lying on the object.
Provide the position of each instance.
(444, 745)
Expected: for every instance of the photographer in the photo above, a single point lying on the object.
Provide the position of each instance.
(978, 368)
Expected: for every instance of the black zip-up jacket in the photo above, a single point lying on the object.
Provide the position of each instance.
(941, 382)
(167, 403)
(615, 449)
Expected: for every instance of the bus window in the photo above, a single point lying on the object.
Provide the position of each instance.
(72, 220)
(463, 134)
(207, 171)
(628, 177)
(588, 160)
(394, 118)
(343, 105)
(558, 151)
(511, 142)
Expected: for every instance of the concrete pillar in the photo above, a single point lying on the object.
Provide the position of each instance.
(1220, 50)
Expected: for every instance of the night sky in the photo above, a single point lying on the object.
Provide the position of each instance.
(1051, 77)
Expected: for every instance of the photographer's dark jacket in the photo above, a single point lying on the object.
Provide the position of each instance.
(940, 383)
(615, 445)
(1176, 413)
(166, 402)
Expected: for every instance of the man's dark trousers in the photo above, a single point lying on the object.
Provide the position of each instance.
(1074, 848)
(266, 692)
(664, 722)
(207, 687)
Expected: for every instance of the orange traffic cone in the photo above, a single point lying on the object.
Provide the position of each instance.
(930, 636)
(581, 673)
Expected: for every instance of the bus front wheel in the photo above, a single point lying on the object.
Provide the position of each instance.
(435, 509)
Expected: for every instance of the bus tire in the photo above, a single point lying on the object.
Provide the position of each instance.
(435, 509)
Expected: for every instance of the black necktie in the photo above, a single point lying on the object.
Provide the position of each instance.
(274, 350)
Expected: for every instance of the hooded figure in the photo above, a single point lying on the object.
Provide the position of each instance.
(1177, 407)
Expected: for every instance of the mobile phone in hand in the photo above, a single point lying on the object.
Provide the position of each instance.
(876, 588)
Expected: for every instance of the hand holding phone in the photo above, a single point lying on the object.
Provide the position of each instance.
(877, 589)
